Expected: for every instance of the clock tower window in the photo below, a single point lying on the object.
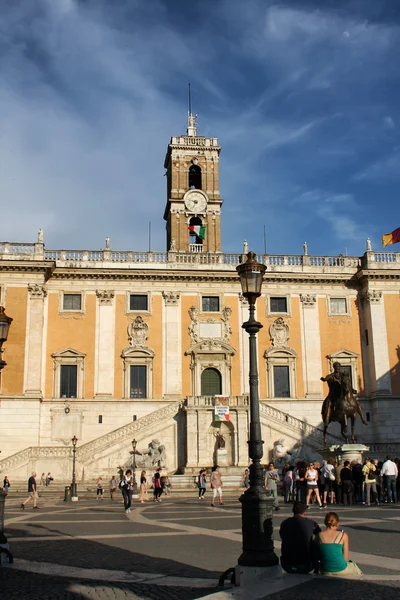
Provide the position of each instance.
(194, 177)
(195, 242)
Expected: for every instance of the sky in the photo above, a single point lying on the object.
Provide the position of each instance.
(303, 95)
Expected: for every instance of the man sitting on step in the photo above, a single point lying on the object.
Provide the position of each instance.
(299, 552)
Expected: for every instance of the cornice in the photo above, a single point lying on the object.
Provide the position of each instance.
(373, 274)
(16, 266)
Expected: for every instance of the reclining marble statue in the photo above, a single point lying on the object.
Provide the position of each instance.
(340, 403)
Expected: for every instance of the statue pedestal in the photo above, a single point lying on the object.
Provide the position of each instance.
(349, 451)
(222, 457)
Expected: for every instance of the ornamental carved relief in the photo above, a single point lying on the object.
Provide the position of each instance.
(210, 329)
(308, 300)
(279, 333)
(37, 291)
(171, 298)
(105, 297)
(371, 296)
(138, 332)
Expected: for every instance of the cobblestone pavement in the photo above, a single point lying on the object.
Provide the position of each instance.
(176, 549)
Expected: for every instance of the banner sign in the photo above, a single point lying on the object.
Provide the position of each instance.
(221, 409)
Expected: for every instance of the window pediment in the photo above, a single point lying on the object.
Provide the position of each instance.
(211, 347)
(68, 353)
(343, 353)
(131, 352)
(280, 353)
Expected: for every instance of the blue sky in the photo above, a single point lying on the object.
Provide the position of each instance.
(303, 96)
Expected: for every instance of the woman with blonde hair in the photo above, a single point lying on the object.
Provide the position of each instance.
(143, 488)
(334, 550)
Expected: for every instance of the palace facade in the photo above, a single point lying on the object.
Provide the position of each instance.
(110, 345)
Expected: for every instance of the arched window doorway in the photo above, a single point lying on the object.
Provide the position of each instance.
(211, 382)
(194, 177)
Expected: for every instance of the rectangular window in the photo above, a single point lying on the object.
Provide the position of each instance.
(346, 369)
(281, 382)
(278, 304)
(100, 418)
(68, 381)
(138, 381)
(72, 302)
(210, 303)
(338, 306)
(366, 338)
(138, 302)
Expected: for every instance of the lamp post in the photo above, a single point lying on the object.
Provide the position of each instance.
(5, 323)
(258, 558)
(74, 488)
(134, 483)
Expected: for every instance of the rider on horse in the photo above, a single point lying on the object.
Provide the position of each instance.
(339, 384)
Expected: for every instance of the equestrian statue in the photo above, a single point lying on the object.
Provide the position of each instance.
(340, 404)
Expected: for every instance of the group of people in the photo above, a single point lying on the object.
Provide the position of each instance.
(160, 483)
(346, 483)
(305, 548)
(215, 484)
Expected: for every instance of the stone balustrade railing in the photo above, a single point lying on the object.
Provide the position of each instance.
(217, 260)
(210, 401)
(34, 452)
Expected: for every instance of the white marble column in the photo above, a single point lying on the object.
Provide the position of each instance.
(311, 346)
(242, 436)
(377, 349)
(34, 339)
(172, 346)
(105, 344)
(192, 436)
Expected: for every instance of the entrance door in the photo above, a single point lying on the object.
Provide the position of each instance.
(211, 382)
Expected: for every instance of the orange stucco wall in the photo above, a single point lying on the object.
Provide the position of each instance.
(154, 341)
(72, 330)
(392, 314)
(340, 332)
(264, 343)
(14, 348)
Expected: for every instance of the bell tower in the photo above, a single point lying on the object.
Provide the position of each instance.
(193, 208)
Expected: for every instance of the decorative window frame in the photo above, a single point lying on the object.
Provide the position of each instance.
(208, 295)
(3, 295)
(268, 312)
(63, 310)
(281, 357)
(346, 358)
(338, 296)
(214, 354)
(68, 356)
(128, 311)
(138, 356)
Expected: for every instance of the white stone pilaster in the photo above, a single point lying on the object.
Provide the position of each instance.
(172, 346)
(34, 339)
(377, 349)
(192, 434)
(104, 344)
(244, 346)
(311, 345)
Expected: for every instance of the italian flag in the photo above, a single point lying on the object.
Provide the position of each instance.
(391, 238)
(199, 230)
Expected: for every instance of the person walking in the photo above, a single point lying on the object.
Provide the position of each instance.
(346, 477)
(216, 485)
(113, 486)
(157, 485)
(32, 492)
(202, 483)
(369, 471)
(6, 484)
(143, 494)
(312, 484)
(334, 550)
(289, 485)
(270, 483)
(390, 473)
(328, 475)
(126, 489)
(99, 488)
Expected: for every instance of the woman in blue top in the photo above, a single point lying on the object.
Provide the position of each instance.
(334, 550)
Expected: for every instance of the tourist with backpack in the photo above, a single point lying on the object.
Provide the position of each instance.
(202, 483)
(125, 485)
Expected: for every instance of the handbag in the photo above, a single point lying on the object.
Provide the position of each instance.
(332, 476)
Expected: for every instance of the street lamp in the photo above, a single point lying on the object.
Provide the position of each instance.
(74, 488)
(5, 323)
(134, 484)
(258, 558)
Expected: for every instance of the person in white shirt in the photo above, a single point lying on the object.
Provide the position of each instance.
(389, 472)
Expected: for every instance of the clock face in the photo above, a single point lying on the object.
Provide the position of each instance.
(195, 202)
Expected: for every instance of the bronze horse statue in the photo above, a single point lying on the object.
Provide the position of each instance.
(340, 404)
